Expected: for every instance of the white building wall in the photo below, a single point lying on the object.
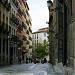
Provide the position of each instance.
(40, 39)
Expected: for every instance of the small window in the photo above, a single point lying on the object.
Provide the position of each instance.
(37, 36)
(6, 20)
(44, 34)
(9, 29)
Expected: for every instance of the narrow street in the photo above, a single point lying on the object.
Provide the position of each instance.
(28, 69)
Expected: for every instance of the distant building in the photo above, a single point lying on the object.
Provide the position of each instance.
(39, 36)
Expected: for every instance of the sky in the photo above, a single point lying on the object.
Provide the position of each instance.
(39, 13)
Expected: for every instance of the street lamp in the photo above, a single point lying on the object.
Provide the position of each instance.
(49, 4)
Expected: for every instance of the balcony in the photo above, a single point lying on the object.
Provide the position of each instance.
(23, 48)
(4, 28)
(20, 11)
(15, 3)
(24, 26)
(30, 46)
(27, 32)
(30, 38)
(27, 42)
(27, 12)
(14, 19)
(30, 30)
(24, 38)
(20, 27)
(14, 38)
(27, 22)
(6, 4)
(30, 22)
(24, 14)
(20, 42)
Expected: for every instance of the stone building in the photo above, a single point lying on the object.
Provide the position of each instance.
(63, 27)
(4, 32)
(15, 31)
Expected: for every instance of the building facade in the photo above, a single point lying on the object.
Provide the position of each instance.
(4, 32)
(38, 37)
(13, 38)
(15, 31)
(63, 27)
(71, 33)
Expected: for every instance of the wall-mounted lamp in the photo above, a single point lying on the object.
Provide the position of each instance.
(49, 4)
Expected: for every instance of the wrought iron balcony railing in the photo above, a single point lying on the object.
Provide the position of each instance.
(14, 19)
(27, 22)
(30, 38)
(20, 11)
(24, 38)
(15, 3)
(23, 48)
(6, 4)
(14, 38)
(30, 30)
(20, 42)
(24, 14)
(27, 32)
(20, 27)
(4, 28)
(27, 42)
(30, 46)
(24, 26)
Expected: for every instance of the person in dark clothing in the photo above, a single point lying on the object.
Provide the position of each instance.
(26, 60)
(19, 60)
(45, 60)
(29, 60)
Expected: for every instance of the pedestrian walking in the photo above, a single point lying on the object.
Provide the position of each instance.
(29, 60)
(26, 60)
(45, 60)
(19, 60)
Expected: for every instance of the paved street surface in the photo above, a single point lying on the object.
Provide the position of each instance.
(28, 69)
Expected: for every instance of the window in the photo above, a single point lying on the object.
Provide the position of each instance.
(14, 32)
(9, 29)
(37, 36)
(6, 20)
(7, 47)
(14, 12)
(3, 45)
(44, 34)
(3, 18)
(37, 42)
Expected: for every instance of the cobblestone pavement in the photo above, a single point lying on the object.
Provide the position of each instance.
(28, 69)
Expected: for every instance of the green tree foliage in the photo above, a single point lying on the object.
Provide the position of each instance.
(42, 49)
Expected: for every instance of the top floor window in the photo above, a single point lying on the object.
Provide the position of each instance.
(44, 34)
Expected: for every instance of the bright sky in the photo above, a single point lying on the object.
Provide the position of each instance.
(39, 13)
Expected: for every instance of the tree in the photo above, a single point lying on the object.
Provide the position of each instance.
(42, 49)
